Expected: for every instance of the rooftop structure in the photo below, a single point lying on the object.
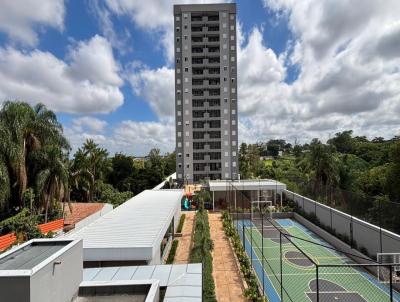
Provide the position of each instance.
(183, 282)
(206, 92)
(136, 232)
(41, 270)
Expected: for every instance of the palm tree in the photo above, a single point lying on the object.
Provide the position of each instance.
(52, 181)
(4, 184)
(24, 129)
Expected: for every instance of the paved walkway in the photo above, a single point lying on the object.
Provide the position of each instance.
(228, 282)
(183, 251)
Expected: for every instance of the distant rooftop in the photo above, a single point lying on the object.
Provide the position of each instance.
(81, 210)
(247, 184)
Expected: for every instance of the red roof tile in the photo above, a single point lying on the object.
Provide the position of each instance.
(80, 211)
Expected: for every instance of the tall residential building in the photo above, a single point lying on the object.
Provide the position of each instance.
(206, 92)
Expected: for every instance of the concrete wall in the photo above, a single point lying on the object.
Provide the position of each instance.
(369, 236)
(58, 282)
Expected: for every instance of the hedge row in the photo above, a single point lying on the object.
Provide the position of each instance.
(201, 253)
(180, 225)
(172, 252)
(252, 292)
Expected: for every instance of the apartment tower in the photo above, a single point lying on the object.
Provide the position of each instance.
(206, 92)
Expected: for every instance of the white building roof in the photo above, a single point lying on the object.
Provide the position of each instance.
(183, 281)
(132, 231)
(252, 184)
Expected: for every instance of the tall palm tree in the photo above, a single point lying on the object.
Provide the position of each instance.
(24, 129)
(4, 184)
(52, 181)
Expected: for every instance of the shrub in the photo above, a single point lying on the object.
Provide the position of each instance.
(180, 225)
(252, 292)
(201, 253)
(171, 255)
(24, 225)
(108, 194)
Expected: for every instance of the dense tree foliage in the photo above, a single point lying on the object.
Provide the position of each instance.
(37, 173)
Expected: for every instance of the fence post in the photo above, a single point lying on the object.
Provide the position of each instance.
(391, 283)
(317, 279)
(244, 234)
(262, 251)
(380, 225)
(280, 248)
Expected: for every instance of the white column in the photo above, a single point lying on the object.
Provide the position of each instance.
(281, 199)
(213, 200)
(235, 200)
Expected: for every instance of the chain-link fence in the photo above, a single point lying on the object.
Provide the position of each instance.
(293, 264)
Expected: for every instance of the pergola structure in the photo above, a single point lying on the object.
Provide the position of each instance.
(254, 185)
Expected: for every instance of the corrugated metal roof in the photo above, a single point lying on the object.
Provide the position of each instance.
(140, 222)
(183, 281)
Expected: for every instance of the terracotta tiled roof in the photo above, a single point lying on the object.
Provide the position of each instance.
(80, 211)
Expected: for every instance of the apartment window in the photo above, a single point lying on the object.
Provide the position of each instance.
(185, 47)
(225, 89)
(178, 29)
(232, 27)
(233, 59)
(178, 61)
(225, 122)
(225, 68)
(233, 80)
(224, 25)
(226, 164)
(179, 113)
(178, 102)
(224, 36)
(187, 166)
(226, 132)
(233, 100)
(234, 153)
(232, 47)
(226, 100)
(186, 101)
(233, 122)
(177, 18)
(226, 143)
(186, 69)
(186, 80)
(186, 90)
(187, 155)
(187, 133)
(187, 144)
(186, 112)
(180, 165)
(185, 37)
(179, 145)
(226, 175)
(233, 132)
(233, 90)
(234, 164)
(179, 154)
(178, 70)
(232, 17)
(233, 111)
(177, 39)
(187, 123)
(233, 143)
(178, 81)
(186, 59)
(179, 134)
(185, 16)
(224, 79)
(225, 111)
(224, 14)
(232, 69)
(178, 49)
(224, 46)
(226, 153)
(225, 57)
(185, 27)
(179, 123)
(232, 37)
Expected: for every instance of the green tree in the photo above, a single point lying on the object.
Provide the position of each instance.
(24, 129)
(343, 141)
(393, 175)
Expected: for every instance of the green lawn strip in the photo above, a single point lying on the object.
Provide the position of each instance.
(180, 225)
(172, 252)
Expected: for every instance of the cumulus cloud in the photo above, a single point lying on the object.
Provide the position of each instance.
(90, 123)
(19, 19)
(153, 16)
(87, 81)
